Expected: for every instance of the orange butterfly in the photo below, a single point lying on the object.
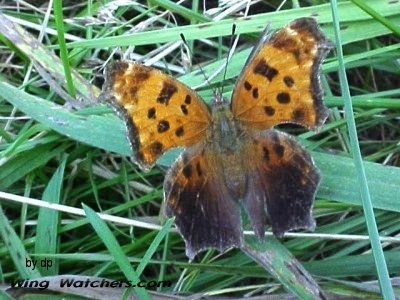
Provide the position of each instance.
(233, 156)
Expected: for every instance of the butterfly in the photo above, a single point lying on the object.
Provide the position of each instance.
(233, 158)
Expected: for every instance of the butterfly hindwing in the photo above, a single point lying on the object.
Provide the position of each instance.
(282, 181)
(160, 112)
(280, 82)
(205, 212)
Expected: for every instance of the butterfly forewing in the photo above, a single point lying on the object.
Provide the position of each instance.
(280, 82)
(160, 112)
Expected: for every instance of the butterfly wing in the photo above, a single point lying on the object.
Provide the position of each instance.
(280, 82)
(283, 181)
(205, 213)
(159, 111)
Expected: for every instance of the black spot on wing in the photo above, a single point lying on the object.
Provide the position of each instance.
(255, 93)
(167, 91)
(298, 115)
(142, 74)
(247, 86)
(283, 98)
(269, 110)
(276, 144)
(265, 154)
(279, 150)
(289, 81)
(156, 148)
(187, 170)
(184, 109)
(151, 113)
(179, 131)
(265, 70)
(199, 169)
(162, 126)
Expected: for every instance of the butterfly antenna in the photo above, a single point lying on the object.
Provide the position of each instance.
(232, 46)
(191, 53)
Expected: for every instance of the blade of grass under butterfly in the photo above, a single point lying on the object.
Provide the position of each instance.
(115, 250)
(277, 260)
(383, 275)
(71, 124)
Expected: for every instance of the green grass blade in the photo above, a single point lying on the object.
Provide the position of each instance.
(352, 265)
(153, 246)
(62, 120)
(47, 238)
(115, 250)
(20, 165)
(383, 275)
(16, 249)
(339, 181)
(256, 23)
(369, 10)
(58, 15)
(277, 260)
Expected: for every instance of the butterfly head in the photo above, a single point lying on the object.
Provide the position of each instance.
(219, 99)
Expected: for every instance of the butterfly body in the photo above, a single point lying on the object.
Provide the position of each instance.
(224, 139)
(232, 154)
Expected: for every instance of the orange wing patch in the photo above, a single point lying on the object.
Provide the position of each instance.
(280, 83)
(160, 112)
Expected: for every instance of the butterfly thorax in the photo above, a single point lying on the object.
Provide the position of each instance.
(223, 131)
(224, 138)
